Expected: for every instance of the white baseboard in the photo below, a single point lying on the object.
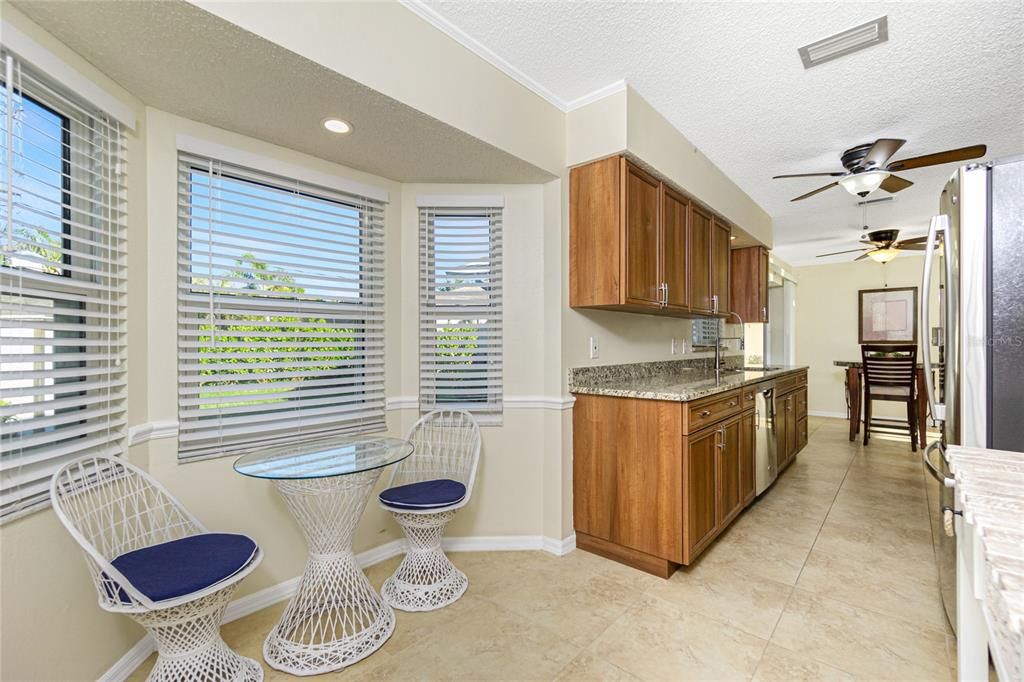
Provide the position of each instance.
(268, 596)
(127, 664)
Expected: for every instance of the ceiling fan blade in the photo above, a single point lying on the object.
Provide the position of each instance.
(913, 240)
(812, 193)
(948, 156)
(881, 151)
(836, 253)
(837, 174)
(861, 257)
(903, 246)
(895, 183)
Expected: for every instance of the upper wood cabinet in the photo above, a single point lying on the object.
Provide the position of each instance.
(675, 252)
(720, 238)
(749, 283)
(643, 250)
(638, 245)
(700, 261)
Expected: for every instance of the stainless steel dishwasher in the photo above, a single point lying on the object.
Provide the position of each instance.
(765, 458)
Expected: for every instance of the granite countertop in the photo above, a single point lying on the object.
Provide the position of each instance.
(990, 492)
(679, 380)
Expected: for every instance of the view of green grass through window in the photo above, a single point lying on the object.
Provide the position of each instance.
(280, 323)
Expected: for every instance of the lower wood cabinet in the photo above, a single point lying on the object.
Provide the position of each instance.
(790, 423)
(655, 482)
(748, 457)
(700, 491)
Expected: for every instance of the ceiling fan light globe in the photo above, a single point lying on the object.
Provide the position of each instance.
(883, 256)
(863, 184)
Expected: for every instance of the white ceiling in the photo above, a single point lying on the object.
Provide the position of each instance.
(179, 58)
(728, 76)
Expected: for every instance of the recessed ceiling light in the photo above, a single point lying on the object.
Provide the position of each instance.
(336, 125)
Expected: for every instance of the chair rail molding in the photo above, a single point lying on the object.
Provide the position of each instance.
(140, 433)
(515, 402)
(268, 596)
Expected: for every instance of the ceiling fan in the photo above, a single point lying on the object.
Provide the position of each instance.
(883, 245)
(868, 167)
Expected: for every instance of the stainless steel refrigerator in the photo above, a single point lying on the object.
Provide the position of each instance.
(975, 367)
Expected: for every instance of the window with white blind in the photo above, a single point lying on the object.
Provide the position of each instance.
(62, 284)
(280, 310)
(460, 310)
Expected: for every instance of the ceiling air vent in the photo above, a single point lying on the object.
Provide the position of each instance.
(845, 42)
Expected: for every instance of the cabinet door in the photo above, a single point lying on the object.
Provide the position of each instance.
(700, 486)
(783, 425)
(748, 441)
(675, 245)
(641, 225)
(762, 281)
(720, 265)
(700, 260)
(730, 496)
(801, 435)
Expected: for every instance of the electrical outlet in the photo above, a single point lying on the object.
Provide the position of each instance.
(594, 350)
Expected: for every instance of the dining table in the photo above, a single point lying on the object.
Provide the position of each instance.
(335, 617)
(855, 391)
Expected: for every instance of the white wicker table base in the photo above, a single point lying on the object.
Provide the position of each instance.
(426, 579)
(189, 644)
(336, 618)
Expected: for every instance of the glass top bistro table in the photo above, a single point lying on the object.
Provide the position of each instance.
(336, 618)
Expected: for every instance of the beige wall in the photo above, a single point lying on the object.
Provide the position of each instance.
(383, 45)
(51, 626)
(826, 323)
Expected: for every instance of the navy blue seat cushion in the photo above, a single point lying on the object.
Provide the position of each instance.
(440, 492)
(180, 567)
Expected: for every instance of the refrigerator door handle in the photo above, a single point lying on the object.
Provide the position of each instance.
(940, 223)
(936, 474)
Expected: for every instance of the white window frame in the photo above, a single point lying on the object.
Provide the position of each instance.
(78, 402)
(330, 408)
(481, 303)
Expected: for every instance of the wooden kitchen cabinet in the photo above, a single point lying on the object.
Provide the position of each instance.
(748, 283)
(720, 244)
(700, 492)
(791, 418)
(641, 221)
(675, 253)
(638, 245)
(748, 457)
(730, 474)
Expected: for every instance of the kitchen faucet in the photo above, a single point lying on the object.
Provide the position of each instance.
(719, 338)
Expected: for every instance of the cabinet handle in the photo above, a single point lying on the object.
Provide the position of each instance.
(732, 403)
(721, 432)
(764, 314)
(714, 303)
(705, 413)
(750, 396)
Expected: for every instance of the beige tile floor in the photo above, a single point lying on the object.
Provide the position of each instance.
(829, 576)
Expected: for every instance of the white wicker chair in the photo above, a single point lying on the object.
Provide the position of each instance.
(447, 448)
(111, 508)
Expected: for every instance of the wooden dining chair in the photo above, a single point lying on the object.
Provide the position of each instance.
(890, 374)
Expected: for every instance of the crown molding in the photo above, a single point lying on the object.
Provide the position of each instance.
(438, 21)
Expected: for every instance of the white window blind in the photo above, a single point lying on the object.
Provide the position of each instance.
(460, 310)
(280, 310)
(62, 284)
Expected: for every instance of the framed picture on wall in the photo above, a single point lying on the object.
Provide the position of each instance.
(887, 315)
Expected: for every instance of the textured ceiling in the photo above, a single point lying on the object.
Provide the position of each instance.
(728, 76)
(179, 58)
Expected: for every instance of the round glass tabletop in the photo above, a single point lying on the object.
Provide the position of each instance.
(336, 457)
